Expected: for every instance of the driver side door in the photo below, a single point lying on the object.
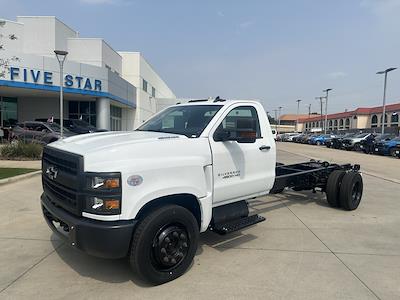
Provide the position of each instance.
(242, 169)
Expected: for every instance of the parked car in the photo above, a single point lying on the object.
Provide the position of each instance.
(368, 145)
(321, 139)
(388, 147)
(397, 151)
(76, 125)
(38, 132)
(336, 142)
(354, 143)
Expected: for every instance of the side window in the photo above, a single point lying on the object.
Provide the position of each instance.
(239, 118)
(40, 127)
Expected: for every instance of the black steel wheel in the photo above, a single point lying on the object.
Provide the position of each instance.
(164, 244)
(351, 190)
(333, 188)
(357, 147)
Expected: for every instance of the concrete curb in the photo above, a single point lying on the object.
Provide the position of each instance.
(19, 177)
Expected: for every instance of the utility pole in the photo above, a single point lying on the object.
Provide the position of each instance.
(276, 120)
(297, 116)
(326, 108)
(309, 110)
(320, 100)
(279, 118)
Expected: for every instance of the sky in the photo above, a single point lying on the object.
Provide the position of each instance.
(272, 51)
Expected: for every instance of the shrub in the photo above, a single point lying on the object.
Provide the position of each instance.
(20, 150)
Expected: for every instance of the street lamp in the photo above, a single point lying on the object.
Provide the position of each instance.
(320, 100)
(297, 116)
(61, 55)
(384, 96)
(326, 108)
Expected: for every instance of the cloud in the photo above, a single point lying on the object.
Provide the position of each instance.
(246, 24)
(220, 14)
(336, 75)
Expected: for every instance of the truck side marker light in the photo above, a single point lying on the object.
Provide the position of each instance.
(135, 180)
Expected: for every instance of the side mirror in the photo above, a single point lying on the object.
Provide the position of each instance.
(222, 135)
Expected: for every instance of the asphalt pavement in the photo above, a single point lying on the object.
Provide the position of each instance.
(304, 250)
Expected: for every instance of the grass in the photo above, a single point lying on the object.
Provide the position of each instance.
(10, 172)
(21, 151)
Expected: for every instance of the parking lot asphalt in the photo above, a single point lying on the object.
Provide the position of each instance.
(304, 250)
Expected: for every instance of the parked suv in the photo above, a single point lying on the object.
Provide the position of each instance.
(76, 125)
(388, 147)
(354, 143)
(38, 132)
(368, 145)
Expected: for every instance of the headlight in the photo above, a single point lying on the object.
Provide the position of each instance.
(103, 182)
(103, 193)
(103, 206)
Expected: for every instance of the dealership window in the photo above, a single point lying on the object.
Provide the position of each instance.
(115, 118)
(335, 124)
(386, 120)
(394, 120)
(153, 91)
(144, 85)
(374, 121)
(8, 111)
(347, 122)
(341, 123)
(83, 110)
(330, 124)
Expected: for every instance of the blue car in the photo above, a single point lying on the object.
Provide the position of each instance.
(321, 139)
(388, 147)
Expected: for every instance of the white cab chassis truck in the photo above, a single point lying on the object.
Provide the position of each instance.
(147, 194)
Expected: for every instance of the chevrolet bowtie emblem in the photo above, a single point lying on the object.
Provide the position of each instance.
(52, 172)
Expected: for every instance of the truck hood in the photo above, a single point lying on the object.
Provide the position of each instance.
(102, 141)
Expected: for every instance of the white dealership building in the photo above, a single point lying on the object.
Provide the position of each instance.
(110, 89)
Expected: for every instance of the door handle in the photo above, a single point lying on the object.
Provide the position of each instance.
(264, 147)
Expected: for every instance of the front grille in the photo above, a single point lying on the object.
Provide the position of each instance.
(64, 188)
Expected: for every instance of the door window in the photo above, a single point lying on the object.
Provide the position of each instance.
(239, 118)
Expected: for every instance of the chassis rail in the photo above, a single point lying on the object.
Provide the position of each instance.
(307, 175)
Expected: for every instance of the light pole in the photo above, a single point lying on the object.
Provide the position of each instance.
(61, 55)
(320, 100)
(297, 116)
(309, 110)
(326, 108)
(279, 118)
(384, 97)
(276, 120)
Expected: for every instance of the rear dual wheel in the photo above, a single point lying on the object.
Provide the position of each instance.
(344, 189)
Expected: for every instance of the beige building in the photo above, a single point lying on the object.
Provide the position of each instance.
(360, 118)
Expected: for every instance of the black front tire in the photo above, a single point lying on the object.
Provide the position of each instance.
(333, 188)
(351, 190)
(156, 259)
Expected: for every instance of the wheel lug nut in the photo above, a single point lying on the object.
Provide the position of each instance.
(185, 244)
(182, 236)
(175, 234)
(173, 261)
(163, 251)
(167, 240)
(166, 259)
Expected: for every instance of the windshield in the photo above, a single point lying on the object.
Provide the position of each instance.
(55, 127)
(189, 120)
